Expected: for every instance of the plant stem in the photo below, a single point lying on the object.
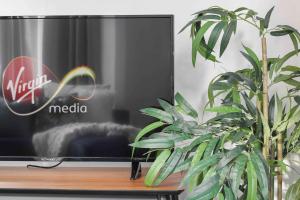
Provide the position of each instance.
(265, 100)
(265, 108)
(279, 176)
(253, 24)
(272, 169)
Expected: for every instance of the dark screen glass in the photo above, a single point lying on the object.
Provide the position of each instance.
(73, 86)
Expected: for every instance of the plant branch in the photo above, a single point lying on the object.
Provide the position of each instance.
(252, 23)
(265, 107)
(280, 158)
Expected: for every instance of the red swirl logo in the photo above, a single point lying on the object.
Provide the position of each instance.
(24, 79)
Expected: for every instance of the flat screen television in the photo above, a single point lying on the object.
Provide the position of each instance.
(72, 86)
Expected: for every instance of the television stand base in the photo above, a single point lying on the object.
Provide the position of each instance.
(136, 170)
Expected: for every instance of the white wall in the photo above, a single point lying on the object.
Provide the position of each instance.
(192, 82)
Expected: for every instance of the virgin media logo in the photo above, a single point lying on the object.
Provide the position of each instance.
(23, 82)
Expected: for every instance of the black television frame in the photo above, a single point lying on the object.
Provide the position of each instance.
(136, 160)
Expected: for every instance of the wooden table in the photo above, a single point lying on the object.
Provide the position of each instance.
(83, 181)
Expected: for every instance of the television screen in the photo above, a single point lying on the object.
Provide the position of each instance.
(72, 86)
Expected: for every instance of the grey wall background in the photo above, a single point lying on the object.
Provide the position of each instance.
(191, 82)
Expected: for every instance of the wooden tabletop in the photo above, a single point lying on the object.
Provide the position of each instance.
(97, 179)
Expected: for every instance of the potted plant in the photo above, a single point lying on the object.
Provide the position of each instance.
(237, 153)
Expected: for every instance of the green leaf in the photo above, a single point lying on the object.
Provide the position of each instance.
(223, 173)
(210, 94)
(290, 119)
(259, 126)
(213, 10)
(267, 17)
(240, 9)
(266, 127)
(198, 154)
(261, 174)
(163, 135)
(249, 104)
(156, 166)
(183, 166)
(146, 130)
(226, 36)
(228, 193)
(206, 174)
(211, 147)
(185, 106)
(294, 138)
(261, 26)
(153, 144)
(200, 167)
(297, 99)
(250, 83)
(198, 38)
(282, 60)
(165, 105)
(290, 68)
(234, 20)
(282, 77)
(295, 118)
(262, 158)
(278, 110)
(196, 158)
(281, 32)
(176, 127)
(209, 17)
(286, 120)
(239, 78)
(221, 196)
(159, 114)
(197, 141)
(254, 64)
(215, 33)
(169, 108)
(293, 192)
(199, 19)
(294, 40)
(271, 65)
(207, 190)
(237, 172)
(236, 95)
(252, 54)
(223, 109)
(287, 27)
(250, 14)
(218, 85)
(271, 109)
(206, 53)
(293, 82)
(229, 156)
(293, 30)
(252, 181)
(169, 166)
(234, 115)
